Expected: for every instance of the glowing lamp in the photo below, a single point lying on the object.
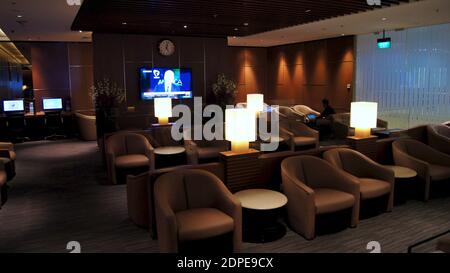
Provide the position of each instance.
(363, 117)
(163, 110)
(255, 102)
(240, 128)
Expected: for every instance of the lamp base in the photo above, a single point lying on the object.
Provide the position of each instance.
(362, 132)
(239, 146)
(163, 120)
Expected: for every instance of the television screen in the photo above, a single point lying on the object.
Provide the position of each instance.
(52, 104)
(165, 82)
(13, 105)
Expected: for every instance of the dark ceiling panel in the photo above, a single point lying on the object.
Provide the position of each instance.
(211, 18)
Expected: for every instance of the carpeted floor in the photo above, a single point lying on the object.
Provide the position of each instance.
(58, 196)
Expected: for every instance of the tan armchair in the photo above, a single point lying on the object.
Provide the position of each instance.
(203, 151)
(430, 164)
(195, 205)
(375, 180)
(299, 135)
(86, 125)
(439, 137)
(128, 153)
(313, 187)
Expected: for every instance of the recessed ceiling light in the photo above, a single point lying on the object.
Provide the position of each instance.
(19, 16)
(185, 26)
(234, 37)
(80, 31)
(343, 34)
(124, 23)
(384, 18)
(245, 24)
(236, 29)
(308, 10)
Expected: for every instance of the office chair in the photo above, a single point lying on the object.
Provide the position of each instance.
(53, 125)
(16, 125)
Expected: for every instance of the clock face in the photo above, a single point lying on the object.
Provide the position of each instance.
(166, 47)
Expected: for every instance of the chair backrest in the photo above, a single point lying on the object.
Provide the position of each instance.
(124, 143)
(419, 133)
(413, 148)
(348, 160)
(439, 129)
(312, 171)
(305, 110)
(284, 111)
(188, 189)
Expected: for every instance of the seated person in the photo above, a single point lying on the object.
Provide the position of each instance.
(327, 109)
(323, 122)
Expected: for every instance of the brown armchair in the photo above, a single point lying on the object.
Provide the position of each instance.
(3, 186)
(430, 164)
(313, 187)
(299, 135)
(203, 151)
(375, 180)
(86, 122)
(128, 153)
(439, 137)
(194, 205)
(8, 157)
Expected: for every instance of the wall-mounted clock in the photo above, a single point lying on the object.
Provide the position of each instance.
(166, 47)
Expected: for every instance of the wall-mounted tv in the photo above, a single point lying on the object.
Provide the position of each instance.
(158, 82)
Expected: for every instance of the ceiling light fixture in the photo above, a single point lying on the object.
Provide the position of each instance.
(80, 31)
(19, 16)
(308, 10)
(185, 26)
(246, 24)
(124, 23)
(384, 18)
(236, 29)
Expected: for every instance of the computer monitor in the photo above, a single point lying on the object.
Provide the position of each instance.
(13, 106)
(52, 104)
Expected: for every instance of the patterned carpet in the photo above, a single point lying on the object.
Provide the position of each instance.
(59, 196)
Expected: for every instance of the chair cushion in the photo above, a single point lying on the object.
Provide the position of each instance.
(371, 188)
(131, 161)
(209, 152)
(303, 141)
(439, 172)
(3, 178)
(329, 200)
(202, 223)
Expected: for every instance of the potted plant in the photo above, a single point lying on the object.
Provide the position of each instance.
(107, 97)
(224, 90)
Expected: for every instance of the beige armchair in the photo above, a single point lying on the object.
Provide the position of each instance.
(439, 137)
(86, 125)
(185, 214)
(313, 187)
(203, 151)
(299, 136)
(128, 153)
(430, 164)
(375, 180)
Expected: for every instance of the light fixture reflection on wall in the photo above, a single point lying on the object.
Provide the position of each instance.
(240, 128)
(363, 117)
(163, 110)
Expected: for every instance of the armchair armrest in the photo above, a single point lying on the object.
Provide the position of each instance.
(403, 159)
(166, 226)
(289, 138)
(150, 153)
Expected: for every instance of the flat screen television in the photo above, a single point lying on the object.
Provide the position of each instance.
(52, 104)
(158, 82)
(10, 106)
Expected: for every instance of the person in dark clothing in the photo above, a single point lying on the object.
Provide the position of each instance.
(327, 109)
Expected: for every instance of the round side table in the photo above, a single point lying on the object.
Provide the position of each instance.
(404, 177)
(261, 210)
(168, 156)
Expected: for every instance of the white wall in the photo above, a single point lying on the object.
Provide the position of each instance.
(411, 80)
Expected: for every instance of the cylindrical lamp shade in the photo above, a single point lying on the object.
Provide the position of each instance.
(240, 128)
(363, 117)
(255, 102)
(163, 110)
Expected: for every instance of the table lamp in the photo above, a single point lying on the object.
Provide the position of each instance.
(240, 128)
(363, 117)
(163, 110)
(255, 103)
